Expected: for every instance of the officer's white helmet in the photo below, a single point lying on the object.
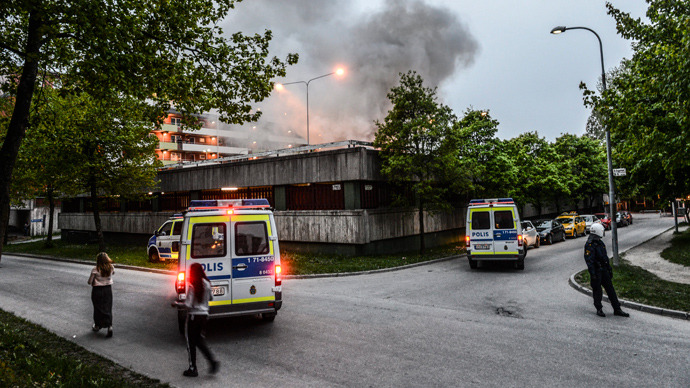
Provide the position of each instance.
(597, 229)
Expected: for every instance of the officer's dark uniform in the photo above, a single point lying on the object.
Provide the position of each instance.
(600, 272)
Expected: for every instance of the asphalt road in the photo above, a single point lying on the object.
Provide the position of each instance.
(435, 325)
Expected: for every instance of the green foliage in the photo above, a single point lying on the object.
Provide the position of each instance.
(419, 144)
(31, 356)
(585, 158)
(160, 54)
(647, 105)
(543, 173)
(483, 156)
(679, 251)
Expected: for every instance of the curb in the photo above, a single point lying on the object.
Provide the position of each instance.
(74, 261)
(310, 276)
(633, 305)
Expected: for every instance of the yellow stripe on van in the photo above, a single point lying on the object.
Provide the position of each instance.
(240, 301)
(492, 253)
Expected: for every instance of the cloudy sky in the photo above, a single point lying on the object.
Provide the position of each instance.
(495, 55)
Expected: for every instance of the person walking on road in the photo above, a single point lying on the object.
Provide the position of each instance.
(101, 281)
(600, 271)
(198, 296)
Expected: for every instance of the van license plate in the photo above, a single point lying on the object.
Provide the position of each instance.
(218, 290)
(482, 246)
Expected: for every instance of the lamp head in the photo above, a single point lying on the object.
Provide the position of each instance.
(558, 30)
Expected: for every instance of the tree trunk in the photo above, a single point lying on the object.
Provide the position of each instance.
(51, 206)
(675, 214)
(422, 245)
(20, 117)
(97, 215)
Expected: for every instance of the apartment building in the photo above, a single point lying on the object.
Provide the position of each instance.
(179, 144)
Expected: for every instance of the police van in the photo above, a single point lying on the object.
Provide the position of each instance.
(493, 232)
(165, 242)
(236, 243)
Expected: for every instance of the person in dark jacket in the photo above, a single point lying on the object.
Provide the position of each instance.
(600, 271)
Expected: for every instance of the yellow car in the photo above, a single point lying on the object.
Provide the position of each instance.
(575, 226)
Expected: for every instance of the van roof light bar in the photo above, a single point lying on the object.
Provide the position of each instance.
(213, 204)
(492, 201)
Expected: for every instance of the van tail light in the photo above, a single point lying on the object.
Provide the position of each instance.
(179, 284)
(279, 275)
(519, 240)
(467, 241)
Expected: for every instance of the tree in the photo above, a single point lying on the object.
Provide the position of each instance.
(41, 164)
(419, 147)
(647, 106)
(170, 52)
(543, 177)
(482, 156)
(585, 158)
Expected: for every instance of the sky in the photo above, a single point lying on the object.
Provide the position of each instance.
(494, 55)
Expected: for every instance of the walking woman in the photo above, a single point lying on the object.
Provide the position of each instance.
(198, 295)
(102, 294)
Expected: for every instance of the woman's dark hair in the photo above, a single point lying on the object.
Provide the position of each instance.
(196, 279)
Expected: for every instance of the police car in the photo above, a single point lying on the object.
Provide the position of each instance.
(165, 242)
(494, 232)
(236, 243)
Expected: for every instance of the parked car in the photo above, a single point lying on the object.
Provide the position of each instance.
(550, 231)
(530, 236)
(574, 225)
(621, 221)
(628, 216)
(590, 219)
(605, 220)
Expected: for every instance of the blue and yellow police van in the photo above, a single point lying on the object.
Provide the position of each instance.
(236, 243)
(494, 232)
(165, 242)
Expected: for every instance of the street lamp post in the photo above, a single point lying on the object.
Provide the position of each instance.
(278, 86)
(612, 198)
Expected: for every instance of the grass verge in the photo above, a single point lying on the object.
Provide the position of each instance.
(31, 356)
(311, 263)
(638, 285)
(679, 251)
(120, 254)
(293, 263)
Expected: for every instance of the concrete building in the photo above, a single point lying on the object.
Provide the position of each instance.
(32, 218)
(178, 144)
(328, 197)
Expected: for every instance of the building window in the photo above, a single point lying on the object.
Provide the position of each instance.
(176, 121)
(202, 140)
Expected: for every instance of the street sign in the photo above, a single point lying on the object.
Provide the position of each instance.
(619, 172)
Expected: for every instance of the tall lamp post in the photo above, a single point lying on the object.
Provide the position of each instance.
(280, 87)
(612, 198)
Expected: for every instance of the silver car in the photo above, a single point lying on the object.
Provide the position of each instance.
(530, 236)
(590, 219)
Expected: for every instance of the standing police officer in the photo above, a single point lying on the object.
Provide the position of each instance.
(600, 271)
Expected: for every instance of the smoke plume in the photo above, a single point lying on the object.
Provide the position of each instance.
(372, 41)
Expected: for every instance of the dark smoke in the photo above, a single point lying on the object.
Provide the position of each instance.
(373, 42)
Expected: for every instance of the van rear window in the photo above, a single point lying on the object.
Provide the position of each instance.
(208, 240)
(251, 238)
(504, 219)
(480, 220)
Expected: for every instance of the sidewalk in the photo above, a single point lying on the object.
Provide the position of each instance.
(648, 256)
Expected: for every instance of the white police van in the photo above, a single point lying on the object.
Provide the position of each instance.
(236, 243)
(165, 242)
(493, 232)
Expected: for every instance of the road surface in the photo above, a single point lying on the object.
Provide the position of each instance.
(435, 325)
